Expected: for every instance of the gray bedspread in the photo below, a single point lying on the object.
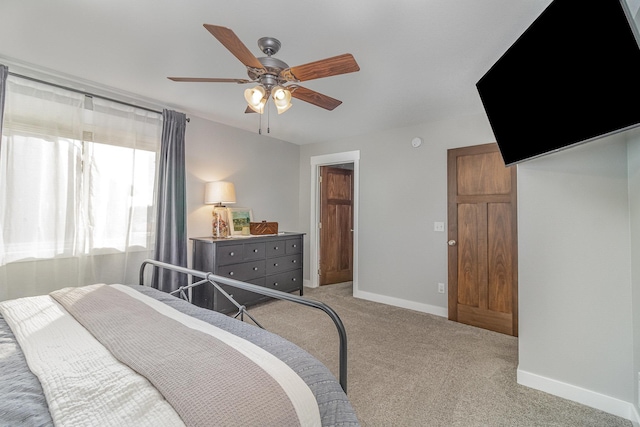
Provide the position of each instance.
(22, 402)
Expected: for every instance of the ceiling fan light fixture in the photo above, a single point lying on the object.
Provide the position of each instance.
(282, 98)
(256, 98)
(270, 73)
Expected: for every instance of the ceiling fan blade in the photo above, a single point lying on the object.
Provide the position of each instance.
(340, 64)
(229, 40)
(313, 97)
(208, 80)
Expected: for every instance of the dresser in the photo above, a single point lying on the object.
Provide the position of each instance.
(273, 261)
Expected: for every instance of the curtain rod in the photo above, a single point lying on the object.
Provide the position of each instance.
(93, 95)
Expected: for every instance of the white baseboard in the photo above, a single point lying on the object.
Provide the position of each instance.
(402, 303)
(583, 396)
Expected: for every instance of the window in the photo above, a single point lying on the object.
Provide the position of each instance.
(77, 175)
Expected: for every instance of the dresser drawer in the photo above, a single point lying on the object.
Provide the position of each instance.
(293, 246)
(254, 251)
(229, 254)
(283, 263)
(276, 248)
(243, 271)
(285, 282)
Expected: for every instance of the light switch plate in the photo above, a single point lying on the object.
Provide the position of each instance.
(438, 226)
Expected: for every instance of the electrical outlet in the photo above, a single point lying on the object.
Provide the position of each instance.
(441, 288)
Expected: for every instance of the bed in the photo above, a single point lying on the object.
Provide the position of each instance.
(132, 355)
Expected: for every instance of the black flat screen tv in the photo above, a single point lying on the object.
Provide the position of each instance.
(571, 77)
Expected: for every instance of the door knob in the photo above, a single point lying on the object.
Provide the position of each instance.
(451, 242)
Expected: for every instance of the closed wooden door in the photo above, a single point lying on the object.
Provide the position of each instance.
(336, 224)
(483, 276)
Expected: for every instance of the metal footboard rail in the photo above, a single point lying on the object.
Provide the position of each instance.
(215, 280)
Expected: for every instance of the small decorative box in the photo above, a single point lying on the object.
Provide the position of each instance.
(264, 227)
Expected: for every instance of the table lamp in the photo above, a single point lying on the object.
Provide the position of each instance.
(219, 193)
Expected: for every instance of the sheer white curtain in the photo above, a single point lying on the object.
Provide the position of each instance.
(77, 189)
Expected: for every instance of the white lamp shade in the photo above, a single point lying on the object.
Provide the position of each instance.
(256, 98)
(282, 98)
(222, 192)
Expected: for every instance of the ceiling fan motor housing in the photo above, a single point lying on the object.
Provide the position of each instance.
(273, 67)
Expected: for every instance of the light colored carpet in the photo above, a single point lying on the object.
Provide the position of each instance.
(414, 369)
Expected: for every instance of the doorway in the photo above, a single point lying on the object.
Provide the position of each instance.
(483, 244)
(335, 159)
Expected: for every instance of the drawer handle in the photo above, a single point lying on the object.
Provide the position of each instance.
(293, 279)
(275, 284)
(294, 261)
(255, 251)
(231, 273)
(294, 246)
(255, 268)
(231, 254)
(275, 248)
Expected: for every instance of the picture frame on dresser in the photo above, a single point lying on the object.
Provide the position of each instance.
(239, 218)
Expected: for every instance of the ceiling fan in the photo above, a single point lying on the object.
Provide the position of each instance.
(274, 77)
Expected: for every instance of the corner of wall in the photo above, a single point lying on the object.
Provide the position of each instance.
(633, 170)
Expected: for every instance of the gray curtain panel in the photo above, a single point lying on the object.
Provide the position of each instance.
(4, 72)
(171, 225)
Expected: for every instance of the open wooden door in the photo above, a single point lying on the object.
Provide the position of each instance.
(483, 262)
(336, 225)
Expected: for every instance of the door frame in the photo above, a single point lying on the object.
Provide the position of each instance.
(314, 241)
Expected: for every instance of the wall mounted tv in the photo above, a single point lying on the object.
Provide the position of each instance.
(573, 76)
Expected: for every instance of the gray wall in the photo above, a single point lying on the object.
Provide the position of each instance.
(264, 171)
(575, 272)
(403, 191)
(634, 212)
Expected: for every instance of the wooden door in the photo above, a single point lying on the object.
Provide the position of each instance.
(483, 262)
(336, 224)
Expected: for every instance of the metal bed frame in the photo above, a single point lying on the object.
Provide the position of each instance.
(210, 278)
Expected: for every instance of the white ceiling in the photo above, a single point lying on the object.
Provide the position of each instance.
(419, 59)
